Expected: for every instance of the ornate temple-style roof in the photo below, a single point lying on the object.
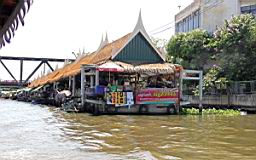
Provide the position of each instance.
(140, 29)
(12, 13)
(134, 51)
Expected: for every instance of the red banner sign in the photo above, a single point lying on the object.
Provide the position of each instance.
(157, 96)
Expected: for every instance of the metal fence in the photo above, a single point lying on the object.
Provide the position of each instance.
(242, 87)
(231, 88)
(236, 93)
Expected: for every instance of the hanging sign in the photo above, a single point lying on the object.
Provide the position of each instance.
(157, 96)
(120, 98)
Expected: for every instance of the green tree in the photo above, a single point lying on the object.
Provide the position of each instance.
(214, 81)
(236, 44)
(191, 49)
(158, 42)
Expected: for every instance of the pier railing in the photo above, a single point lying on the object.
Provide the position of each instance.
(241, 94)
(248, 100)
(242, 87)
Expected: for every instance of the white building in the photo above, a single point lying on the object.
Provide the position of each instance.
(210, 14)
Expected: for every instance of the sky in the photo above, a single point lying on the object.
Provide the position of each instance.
(56, 28)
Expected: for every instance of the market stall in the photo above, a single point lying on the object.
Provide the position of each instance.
(124, 88)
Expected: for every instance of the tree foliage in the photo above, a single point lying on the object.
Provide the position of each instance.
(158, 42)
(233, 46)
(190, 49)
(213, 81)
(236, 44)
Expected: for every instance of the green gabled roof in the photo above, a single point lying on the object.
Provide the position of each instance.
(138, 50)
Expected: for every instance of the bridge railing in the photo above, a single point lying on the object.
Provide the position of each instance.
(11, 83)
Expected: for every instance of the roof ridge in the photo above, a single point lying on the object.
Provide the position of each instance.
(139, 28)
(112, 45)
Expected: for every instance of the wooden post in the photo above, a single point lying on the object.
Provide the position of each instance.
(91, 81)
(200, 79)
(69, 83)
(73, 85)
(55, 84)
(200, 91)
(97, 78)
(83, 80)
(180, 89)
(181, 84)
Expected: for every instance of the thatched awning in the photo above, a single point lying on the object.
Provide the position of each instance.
(102, 56)
(158, 68)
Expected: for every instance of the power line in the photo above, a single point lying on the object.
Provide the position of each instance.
(162, 26)
(205, 10)
(163, 30)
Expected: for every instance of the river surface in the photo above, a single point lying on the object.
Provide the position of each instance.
(34, 132)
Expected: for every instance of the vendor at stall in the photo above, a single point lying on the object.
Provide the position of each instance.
(155, 82)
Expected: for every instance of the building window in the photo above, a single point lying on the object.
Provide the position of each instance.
(179, 27)
(199, 19)
(184, 26)
(196, 19)
(249, 9)
(253, 9)
(189, 23)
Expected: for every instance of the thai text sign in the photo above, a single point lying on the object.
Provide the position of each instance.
(157, 96)
(120, 98)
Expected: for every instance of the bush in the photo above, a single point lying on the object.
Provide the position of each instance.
(194, 111)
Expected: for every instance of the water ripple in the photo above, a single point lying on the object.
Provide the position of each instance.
(40, 132)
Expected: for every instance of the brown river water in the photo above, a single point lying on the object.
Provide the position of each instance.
(34, 132)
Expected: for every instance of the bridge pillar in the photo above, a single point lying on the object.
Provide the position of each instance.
(21, 72)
